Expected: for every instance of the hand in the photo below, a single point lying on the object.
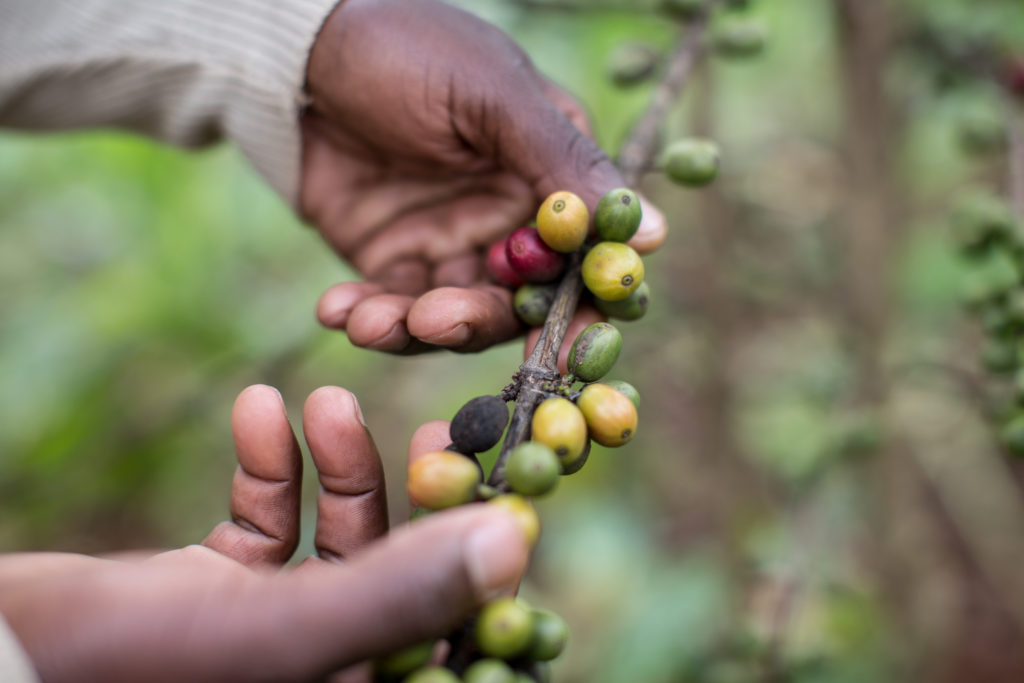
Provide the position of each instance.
(223, 610)
(430, 136)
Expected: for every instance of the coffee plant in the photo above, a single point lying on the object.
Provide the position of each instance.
(552, 265)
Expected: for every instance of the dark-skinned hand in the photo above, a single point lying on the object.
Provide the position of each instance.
(226, 611)
(430, 135)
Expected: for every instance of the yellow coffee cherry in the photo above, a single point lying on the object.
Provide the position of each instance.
(559, 425)
(562, 222)
(612, 270)
(523, 512)
(442, 479)
(610, 415)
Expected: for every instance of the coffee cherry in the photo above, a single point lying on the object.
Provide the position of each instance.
(691, 161)
(611, 417)
(632, 63)
(432, 674)
(981, 219)
(618, 215)
(558, 424)
(594, 352)
(612, 271)
(1000, 356)
(562, 222)
(980, 130)
(479, 424)
(1012, 435)
(633, 307)
(740, 38)
(574, 466)
(624, 388)
(550, 633)
(532, 303)
(504, 628)
(489, 671)
(532, 469)
(500, 270)
(533, 260)
(523, 513)
(684, 9)
(404, 661)
(442, 479)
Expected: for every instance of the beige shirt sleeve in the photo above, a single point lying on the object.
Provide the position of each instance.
(188, 72)
(15, 666)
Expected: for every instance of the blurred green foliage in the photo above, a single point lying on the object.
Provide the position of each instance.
(141, 288)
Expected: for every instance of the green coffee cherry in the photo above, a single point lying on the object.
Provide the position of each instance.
(479, 424)
(980, 130)
(532, 303)
(1012, 435)
(574, 466)
(1000, 356)
(633, 307)
(625, 388)
(981, 219)
(691, 161)
(433, 674)
(684, 9)
(632, 63)
(504, 628)
(489, 671)
(740, 38)
(612, 270)
(550, 633)
(594, 352)
(402, 662)
(618, 215)
(532, 469)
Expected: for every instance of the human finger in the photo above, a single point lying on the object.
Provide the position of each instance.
(464, 319)
(266, 489)
(352, 503)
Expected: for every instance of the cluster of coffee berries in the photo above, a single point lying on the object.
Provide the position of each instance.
(991, 240)
(509, 641)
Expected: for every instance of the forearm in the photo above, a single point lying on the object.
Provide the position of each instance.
(184, 71)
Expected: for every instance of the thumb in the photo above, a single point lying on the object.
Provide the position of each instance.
(417, 585)
(539, 143)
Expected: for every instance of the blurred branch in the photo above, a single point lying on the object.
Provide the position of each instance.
(638, 152)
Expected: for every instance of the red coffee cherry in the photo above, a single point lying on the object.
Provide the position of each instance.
(533, 260)
(500, 270)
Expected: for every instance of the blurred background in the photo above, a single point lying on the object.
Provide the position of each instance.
(816, 492)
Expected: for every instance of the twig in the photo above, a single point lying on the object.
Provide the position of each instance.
(638, 152)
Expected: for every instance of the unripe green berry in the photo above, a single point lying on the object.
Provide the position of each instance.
(504, 628)
(433, 674)
(691, 161)
(550, 633)
(404, 661)
(740, 38)
(595, 351)
(532, 469)
(532, 303)
(684, 9)
(624, 388)
(632, 63)
(574, 466)
(612, 270)
(633, 307)
(618, 215)
(489, 671)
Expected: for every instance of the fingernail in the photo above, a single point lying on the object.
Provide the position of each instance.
(456, 336)
(495, 554)
(358, 411)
